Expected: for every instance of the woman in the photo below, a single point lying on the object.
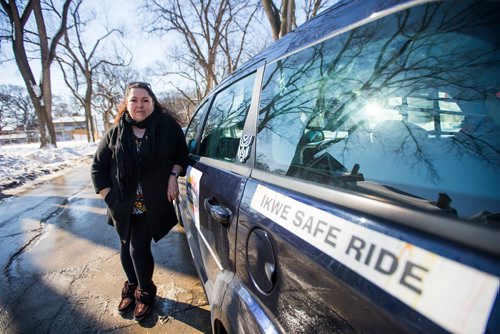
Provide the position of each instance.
(135, 170)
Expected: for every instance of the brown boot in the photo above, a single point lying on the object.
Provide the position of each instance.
(128, 300)
(144, 301)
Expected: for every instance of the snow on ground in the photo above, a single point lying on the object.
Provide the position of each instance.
(21, 163)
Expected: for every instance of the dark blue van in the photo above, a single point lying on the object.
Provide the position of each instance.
(347, 178)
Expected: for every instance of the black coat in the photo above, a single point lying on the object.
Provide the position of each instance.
(160, 212)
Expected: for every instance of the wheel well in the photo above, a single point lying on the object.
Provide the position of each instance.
(178, 213)
(219, 327)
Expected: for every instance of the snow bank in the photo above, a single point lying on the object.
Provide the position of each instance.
(25, 162)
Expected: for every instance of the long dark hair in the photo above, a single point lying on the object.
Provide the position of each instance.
(157, 106)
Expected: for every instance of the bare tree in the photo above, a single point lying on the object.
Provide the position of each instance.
(283, 18)
(110, 82)
(5, 32)
(16, 108)
(65, 106)
(22, 39)
(79, 62)
(213, 33)
(179, 105)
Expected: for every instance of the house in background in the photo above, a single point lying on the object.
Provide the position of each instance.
(70, 128)
(8, 135)
(67, 129)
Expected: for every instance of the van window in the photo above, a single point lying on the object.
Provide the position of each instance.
(193, 127)
(224, 125)
(405, 108)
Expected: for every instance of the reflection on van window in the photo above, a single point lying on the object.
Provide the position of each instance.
(193, 127)
(224, 125)
(405, 108)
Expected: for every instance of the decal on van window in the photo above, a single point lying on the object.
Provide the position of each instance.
(244, 148)
(455, 296)
(193, 177)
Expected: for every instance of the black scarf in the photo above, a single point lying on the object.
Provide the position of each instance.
(130, 164)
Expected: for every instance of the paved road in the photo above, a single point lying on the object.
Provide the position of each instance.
(61, 271)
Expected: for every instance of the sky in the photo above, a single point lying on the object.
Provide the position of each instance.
(146, 50)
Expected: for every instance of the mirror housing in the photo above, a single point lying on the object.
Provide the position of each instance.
(192, 146)
(313, 136)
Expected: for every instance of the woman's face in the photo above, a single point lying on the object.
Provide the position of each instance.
(139, 104)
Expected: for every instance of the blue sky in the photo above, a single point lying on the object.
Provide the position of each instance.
(146, 49)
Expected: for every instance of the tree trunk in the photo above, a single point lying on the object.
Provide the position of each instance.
(46, 100)
(105, 118)
(41, 96)
(33, 91)
(46, 93)
(273, 16)
(25, 69)
(89, 121)
(284, 21)
(287, 17)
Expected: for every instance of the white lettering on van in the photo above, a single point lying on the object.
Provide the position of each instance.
(440, 288)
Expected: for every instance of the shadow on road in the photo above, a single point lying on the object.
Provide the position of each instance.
(30, 303)
(36, 307)
(85, 218)
(166, 310)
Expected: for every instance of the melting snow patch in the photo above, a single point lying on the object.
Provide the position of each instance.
(25, 162)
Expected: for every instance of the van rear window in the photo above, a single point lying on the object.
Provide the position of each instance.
(405, 108)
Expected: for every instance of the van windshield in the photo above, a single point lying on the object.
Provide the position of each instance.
(405, 108)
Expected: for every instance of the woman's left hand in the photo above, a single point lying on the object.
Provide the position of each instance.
(173, 188)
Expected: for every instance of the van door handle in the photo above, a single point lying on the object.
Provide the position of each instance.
(218, 212)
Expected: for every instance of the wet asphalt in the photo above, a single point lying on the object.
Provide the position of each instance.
(60, 268)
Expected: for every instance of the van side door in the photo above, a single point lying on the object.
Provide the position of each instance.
(215, 182)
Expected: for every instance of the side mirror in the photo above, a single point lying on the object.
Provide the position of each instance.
(314, 136)
(192, 145)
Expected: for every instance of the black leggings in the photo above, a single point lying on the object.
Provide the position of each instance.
(135, 254)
